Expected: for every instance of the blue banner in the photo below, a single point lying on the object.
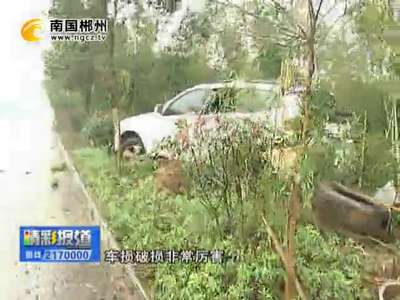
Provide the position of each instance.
(60, 244)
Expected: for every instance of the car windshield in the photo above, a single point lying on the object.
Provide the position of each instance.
(243, 100)
(191, 101)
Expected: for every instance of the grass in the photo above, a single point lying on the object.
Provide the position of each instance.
(142, 219)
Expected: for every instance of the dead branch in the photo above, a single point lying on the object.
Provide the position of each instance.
(283, 257)
(391, 207)
(311, 15)
(303, 32)
(318, 11)
(345, 8)
(386, 284)
(384, 245)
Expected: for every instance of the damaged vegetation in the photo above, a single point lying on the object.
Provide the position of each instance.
(296, 206)
(226, 188)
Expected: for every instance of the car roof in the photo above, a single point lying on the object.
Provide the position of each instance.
(258, 84)
(266, 85)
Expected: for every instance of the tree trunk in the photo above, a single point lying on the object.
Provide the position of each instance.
(294, 214)
(307, 94)
(114, 100)
(117, 131)
(396, 152)
(295, 197)
(88, 100)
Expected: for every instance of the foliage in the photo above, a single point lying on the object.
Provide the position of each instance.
(99, 129)
(142, 219)
(339, 159)
(233, 180)
(270, 59)
(230, 162)
(160, 77)
(335, 254)
(355, 96)
(85, 70)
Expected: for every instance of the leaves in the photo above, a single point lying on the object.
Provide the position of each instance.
(233, 179)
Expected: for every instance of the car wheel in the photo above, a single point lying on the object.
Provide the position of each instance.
(131, 147)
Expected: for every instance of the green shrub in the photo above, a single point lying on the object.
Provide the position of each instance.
(329, 266)
(99, 129)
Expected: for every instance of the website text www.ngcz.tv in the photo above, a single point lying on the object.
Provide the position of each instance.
(79, 37)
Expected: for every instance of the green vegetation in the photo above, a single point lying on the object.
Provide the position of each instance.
(144, 219)
(235, 192)
(59, 168)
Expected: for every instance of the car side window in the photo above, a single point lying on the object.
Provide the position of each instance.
(250, 100)
(190, 102)
(220, 100)
(243, 100)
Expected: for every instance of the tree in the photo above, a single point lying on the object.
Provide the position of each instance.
(298, 35)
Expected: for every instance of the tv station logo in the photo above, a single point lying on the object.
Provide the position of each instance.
(64, 30)
(68, 244)
(81, 30)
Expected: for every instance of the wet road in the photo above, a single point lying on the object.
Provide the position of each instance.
(27, 198)
(28, 150)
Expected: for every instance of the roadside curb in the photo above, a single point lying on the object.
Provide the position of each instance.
(106, 235)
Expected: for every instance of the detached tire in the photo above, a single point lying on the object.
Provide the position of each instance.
(347, 211)
(132, 146)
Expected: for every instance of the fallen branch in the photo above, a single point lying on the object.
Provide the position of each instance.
(283, 257)
(393, 208)
(383, 287)
(384, 245)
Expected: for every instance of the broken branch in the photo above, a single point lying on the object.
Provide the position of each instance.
(318, 11)
(386, 284)
(283, 257)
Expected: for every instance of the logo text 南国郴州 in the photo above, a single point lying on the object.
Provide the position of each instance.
(60, 244)
(81, 30)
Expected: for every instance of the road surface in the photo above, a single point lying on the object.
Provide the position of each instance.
(28, 150)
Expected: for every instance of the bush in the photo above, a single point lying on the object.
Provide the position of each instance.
(99, 129)
(145, 220)
(228, 166)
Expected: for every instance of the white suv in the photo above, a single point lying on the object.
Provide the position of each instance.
(255, 99)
